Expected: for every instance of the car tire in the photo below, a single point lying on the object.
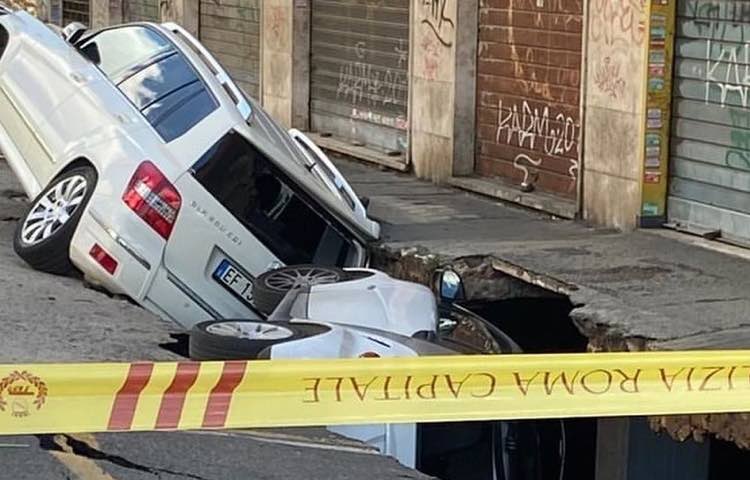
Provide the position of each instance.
(42, 238)
(271, 287)
(235, 339)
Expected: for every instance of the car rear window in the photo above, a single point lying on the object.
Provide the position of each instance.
(257, 194)
(154, 76)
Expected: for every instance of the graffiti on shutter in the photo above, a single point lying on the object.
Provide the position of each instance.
(528, 125)
(360, 71)
(710, 153)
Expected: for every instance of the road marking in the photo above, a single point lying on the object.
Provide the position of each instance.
(82, 467)
(278, 439)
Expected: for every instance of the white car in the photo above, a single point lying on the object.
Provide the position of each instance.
(153, 174)
(318, 312)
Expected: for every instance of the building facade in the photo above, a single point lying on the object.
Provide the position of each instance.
(626, 113)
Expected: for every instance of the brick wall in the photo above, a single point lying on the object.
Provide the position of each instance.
(529, 61)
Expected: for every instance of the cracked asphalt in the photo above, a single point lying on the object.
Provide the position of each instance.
(47, 319)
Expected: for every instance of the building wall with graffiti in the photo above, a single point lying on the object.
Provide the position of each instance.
(710, 150)
(528, 100)
(616, 58)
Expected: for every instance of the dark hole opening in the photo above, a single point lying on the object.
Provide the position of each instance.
(530, 450)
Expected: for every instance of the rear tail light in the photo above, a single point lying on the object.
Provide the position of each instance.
(153, 198)
(103, 258)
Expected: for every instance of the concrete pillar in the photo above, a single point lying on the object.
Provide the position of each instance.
(627, 449)
(183, 12)
(442, 88)
(612, 441)
(615, 103)
(285, 61)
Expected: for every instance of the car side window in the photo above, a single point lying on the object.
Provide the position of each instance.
(116, 51)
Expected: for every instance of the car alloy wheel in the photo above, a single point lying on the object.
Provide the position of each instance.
(53, 209)
(250, 330)
(43, 237)
(284, 280)
(271, 287)
(232, 339)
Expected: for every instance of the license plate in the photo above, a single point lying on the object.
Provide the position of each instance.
(231, 278)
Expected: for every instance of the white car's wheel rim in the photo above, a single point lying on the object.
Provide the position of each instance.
(284, 280)
(54, 209)
(250, 330)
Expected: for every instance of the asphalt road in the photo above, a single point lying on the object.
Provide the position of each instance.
(47, 319)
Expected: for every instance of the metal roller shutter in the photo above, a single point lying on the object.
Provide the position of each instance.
(528, 93)
(360, 71)
(76, 11)
(141, 11)
(230, 29)
(710, 153)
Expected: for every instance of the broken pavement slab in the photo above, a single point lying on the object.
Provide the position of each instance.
(634, 291)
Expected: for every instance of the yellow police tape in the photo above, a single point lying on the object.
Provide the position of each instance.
(168, 396)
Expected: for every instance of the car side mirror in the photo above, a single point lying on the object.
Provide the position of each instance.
(365, 202)
(73, 32)
(448, 286)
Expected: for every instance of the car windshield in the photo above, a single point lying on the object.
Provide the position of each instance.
(255, 192)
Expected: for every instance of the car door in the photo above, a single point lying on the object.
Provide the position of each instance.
(41, 71)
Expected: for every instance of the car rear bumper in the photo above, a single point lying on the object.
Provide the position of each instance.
(139, 275)
(133, 269)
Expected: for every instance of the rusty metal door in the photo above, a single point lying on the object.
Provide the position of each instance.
(230, 29)
(76, 11)
(710, 154)
(359, 72)
(141, 11)
(528, 83)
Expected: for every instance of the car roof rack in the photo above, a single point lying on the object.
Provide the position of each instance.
(243, 106)
(5, 10)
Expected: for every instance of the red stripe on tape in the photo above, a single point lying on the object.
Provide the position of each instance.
(221, 395)
(126, 399)
(173, 400)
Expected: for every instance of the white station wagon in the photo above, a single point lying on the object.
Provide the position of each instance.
(152, 173)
